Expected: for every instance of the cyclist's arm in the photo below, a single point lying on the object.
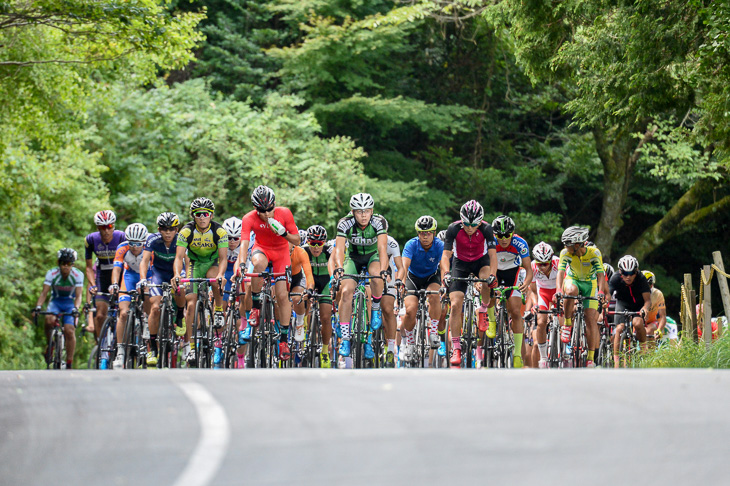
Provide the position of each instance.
(527, 265)
(177, 266)
(340, 251)
(492, 252)
(647, 302)
(383, 251)
(406, 266)
(144, 265)
(44, 294)
(307, 268)
(559, 280)
(222, 261)
(531, 296)
(292, 238)
(602, 283)
(116, 273)
(401, 269)
(79, 296)
(661, 313)
(242, 256)
(90, 272)
(446, 262)
(331, 263)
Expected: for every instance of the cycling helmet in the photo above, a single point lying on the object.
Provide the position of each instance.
(362, 200)
(608, 270)
(136, 232)
(503, 225)
(66, 255)
(233, 227)
(649, 277)
(302, 237)
(317, 234)
(472, 212)
(542, 252)
(168, 220)
(202, 203)
(628, 264)
(590, 243)
(263, 198)
(103, 218)
(573, 235)
(442, 235)
(426, 223)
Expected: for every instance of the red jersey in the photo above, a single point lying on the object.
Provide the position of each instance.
(265, 236)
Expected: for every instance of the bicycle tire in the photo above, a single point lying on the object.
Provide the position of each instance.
(58, 349)
(358, 332)
(50, 351)
(127, 340)
(198, 329)
(229, 339)
(105, 336)
(164, 338)
(466, 357)
(554, 346)
(315, 339)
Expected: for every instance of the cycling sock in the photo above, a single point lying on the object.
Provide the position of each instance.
(490, 313)
(518, 344)
(591, 353)
(69, 365)
(483, 307)
(543, 350)
(345, 330)
(256, 300)
(456, 342)
(376, 303)
(569, 321)
(391, 345)
(120, 349)
(300, 319)
(284, 334)
(219, 308)
(410, 337)
(179, 316)
(153, 343)
(434, 325)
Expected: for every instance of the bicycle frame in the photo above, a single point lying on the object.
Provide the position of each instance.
(423, 347)
(629, 345)
(56, 352)
(499, 352)
(263, 348)
(469, 336)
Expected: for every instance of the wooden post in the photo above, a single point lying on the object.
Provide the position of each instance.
(724, 292)
(707, 304)
(693, 314)
(688, 321)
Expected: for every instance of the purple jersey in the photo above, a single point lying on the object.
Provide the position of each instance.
(104, 252)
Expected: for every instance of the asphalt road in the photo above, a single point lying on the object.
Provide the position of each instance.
(401, 427)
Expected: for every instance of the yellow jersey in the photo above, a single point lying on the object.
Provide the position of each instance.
(583, 268)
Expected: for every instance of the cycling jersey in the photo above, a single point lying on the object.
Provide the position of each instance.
(232, 257)
(629, 295)
(266, 238)
(104, 251)
(512, 256)
(393, 252)
(203, 246)
(125, 259)
(63, 288)
(546, 281)
(362, 241)
(583, 268)
(424, 263)
(300, 263)
(162, 257)
(469, 248)
(319, 263)
(657, 305)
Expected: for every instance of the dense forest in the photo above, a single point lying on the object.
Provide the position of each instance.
(612, 115)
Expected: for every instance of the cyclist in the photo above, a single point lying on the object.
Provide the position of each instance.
(631, 291)
(544, 285)
(656, 319)
(203, 240)
(581, 272)
(513, 253)
(274, 228)
(302, 281)
(102, 243)
(366, 236)
(66, 283)
(390, 324)
(320, 253)
(421, 257)
(471, 242)
(157, 267)
(127, 259)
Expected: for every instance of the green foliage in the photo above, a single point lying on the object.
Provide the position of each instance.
(691, 355)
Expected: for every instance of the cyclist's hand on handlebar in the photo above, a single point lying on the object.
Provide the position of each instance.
(643, 314)
(35, 311)
(310, 294)
(446, 281)
(492, 282)
(113, 288)
(386, 274)
(337, 274)
(93, 289)
(75, 312)
(557, 296)
(142, 283)
(658, 334)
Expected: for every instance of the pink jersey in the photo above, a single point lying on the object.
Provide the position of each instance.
(265, 236)
(541, 280)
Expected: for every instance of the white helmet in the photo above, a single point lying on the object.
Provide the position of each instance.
(136, 232)
(361, 200)
(628, 264)
(233, 227)
(542, 252)
(573, 235)
(103, 218)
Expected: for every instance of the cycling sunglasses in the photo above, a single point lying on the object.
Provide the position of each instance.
(316, 244)
(627, 274)
(105, 227)
(167, 228)
(504, 236)
(471, 225)
(265, 210)
(202, 214)
(231, 238)
(136, 244)
(543, 264)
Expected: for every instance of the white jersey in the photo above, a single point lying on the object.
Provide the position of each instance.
(546, 281)
(393, 251)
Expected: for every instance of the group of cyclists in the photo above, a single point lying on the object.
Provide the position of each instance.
(309, 264)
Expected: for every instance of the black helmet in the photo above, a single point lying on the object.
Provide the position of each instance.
(168, 220)
(202, 203)
(317, 234)
(66, 255)
(263, 198)
(503, 225)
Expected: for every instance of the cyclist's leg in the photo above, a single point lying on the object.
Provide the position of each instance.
(377, 286)
(619, 327)
(640, 330)
(154, 319)
(69, 332)
(593, 336)
(389, 321)
(103, 281)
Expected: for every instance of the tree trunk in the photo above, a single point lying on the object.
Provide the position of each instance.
(683, 214)
(618, 157)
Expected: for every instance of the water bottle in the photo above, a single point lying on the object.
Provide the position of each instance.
(104, 364)
(217, 356)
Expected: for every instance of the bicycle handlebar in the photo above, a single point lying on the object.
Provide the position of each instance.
(360, 276)
(198, 280)
(264, 274)
(471, 279)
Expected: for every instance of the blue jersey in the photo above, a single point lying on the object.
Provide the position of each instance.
(512, 256)
(163, 257)
(423, 263)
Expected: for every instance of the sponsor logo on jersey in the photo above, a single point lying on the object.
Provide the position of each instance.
(360, 241)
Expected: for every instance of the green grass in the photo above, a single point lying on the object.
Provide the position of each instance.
(690, 355)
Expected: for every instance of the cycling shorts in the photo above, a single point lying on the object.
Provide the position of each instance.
(58, 306)
(354, 263)
(103, 282)
(544, 298)
(278, 259)
(298, 280)
(422, 283)
(512, 277)
(462, 269)
(229, 284)
(322, 286)
(130, 279)
(585, 288)
(199, 269)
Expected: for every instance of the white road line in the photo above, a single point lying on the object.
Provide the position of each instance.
(214, 437)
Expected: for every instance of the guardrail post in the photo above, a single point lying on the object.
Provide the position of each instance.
(689, 323)
(724, 291)
(693, 314)
(707, 304)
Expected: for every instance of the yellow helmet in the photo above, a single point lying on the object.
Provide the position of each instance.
(649, 277)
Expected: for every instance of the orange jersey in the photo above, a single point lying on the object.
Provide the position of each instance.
(299, 262)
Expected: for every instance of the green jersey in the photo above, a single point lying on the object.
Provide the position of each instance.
(362, 241)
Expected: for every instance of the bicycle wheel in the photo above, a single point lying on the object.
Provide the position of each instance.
(358, 333)
(554, 345)
(199, 328)
(315, 340)
(466, 335)
(164, 338)
(229, 339)
(58, 349)
(106, 344)
(604, 352)
(128, 340)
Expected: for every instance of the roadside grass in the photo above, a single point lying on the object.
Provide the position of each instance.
(690, 355)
